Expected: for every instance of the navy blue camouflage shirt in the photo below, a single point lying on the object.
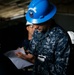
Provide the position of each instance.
(51, 50)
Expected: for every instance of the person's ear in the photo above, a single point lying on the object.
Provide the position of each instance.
(27, 28)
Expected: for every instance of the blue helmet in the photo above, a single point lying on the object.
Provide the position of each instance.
(40, 11)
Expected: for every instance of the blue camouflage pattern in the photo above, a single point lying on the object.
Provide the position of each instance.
(54, 44)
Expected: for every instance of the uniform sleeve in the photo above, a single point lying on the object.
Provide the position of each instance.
(34, 42)
(61, 57)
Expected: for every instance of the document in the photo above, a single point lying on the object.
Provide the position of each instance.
(18, 62)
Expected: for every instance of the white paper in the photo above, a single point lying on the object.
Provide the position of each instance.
(18, 62)
(71, 34)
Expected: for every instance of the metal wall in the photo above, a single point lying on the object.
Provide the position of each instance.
(66, 21)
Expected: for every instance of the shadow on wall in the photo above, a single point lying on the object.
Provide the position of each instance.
(12, 36)
(66, 21)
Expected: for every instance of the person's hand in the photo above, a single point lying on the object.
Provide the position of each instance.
(20, 52)
(20, 55)
(29, 57)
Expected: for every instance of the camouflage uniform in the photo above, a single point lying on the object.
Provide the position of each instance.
(52, 51)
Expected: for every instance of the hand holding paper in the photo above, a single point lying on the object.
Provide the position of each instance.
(18, 62)
(20, 53)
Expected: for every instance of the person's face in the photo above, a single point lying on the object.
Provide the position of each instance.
(30, 29)
(40, 28)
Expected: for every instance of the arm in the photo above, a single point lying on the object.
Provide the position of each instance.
(29, 57)
(62, 52)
